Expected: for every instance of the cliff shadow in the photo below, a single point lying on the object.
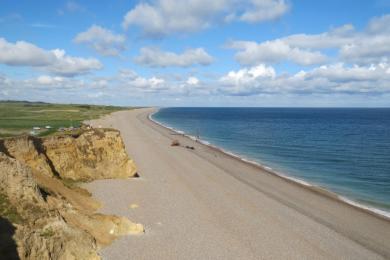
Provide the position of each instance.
(4, 149)
(8, 247)
(41, 150)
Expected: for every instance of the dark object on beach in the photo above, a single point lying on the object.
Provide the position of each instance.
(190, 147)
(175, 143)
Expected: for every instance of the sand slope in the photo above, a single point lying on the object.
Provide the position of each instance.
(202, 204)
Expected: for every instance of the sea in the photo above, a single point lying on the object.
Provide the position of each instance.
(343, 150)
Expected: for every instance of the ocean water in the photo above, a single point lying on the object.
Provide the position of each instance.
(345, 150)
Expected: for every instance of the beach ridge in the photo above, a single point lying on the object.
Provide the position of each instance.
(239, 209)
(302, 183)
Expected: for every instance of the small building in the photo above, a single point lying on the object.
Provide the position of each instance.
(48, 127)
(36, 128)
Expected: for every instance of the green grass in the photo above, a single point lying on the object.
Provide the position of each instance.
(18, 117)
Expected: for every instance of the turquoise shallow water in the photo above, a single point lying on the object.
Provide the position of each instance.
(344, 150)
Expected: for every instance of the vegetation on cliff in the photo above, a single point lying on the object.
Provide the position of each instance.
(19, 117)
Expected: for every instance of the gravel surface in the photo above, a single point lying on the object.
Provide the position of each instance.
(203, 204)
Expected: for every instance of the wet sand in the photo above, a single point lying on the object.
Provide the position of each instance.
(204, 204)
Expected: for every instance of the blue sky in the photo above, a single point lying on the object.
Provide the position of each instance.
(197, 52)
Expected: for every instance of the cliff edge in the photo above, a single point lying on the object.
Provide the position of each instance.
(44, 214)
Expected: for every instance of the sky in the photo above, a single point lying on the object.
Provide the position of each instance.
(263, 53)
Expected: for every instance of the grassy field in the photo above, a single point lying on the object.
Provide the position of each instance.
(19, 117)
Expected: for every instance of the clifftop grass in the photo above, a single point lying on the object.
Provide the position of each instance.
(19, 117)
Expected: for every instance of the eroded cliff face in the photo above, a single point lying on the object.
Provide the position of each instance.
(56, 220)
(96, 154)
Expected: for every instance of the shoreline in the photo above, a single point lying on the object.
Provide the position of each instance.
(212, 205)
(377, 212)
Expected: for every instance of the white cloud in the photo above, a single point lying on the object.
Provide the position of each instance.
(154, 57)
(49, 80)
(164, 86)
(244, 80)
(127, 74)
(56, 61)
(129, 79)
(148, 84)
(340, 73)
(339, 77)
(329, 79)
(102, 40)
(23, 54)
(164, 17)
(71, 66)
(56, 89)
(263, 10)
(248, 75)
(367, 50)
(96, 94)
(192, 81)
(379, 25)
(50, 83)
(335, 38)
(371, 45)
(251, 53)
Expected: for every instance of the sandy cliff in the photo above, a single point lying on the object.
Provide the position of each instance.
(52, 218)
(96, 154)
